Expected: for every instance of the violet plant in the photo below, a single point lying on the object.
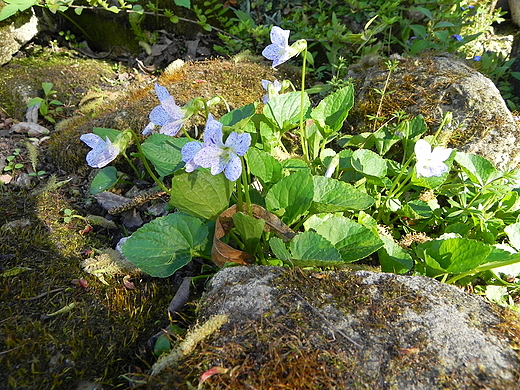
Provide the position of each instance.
(394, 195)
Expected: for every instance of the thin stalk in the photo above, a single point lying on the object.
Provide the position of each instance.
(303, 133)
(132, 165)
(146, 165)
(239, 195)
(245, 184)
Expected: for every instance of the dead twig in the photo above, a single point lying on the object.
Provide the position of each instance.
(42, 294)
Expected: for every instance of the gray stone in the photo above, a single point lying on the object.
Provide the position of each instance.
(432, 86)
(288, 328)
(15, 32)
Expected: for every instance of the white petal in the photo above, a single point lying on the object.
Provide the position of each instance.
(441, 154)
(272, 51)
(239, 143)
(208, 156)
(171, 128)
(172, 109)
(422, 149)
(213, 132)
(159, 116)
(277, 86)
(162, 93)
(234, 168)
(191, 166)
(431, 169)
(189, 150)
(99, 157)
(149, 128)
(92, 140)
(280, 36)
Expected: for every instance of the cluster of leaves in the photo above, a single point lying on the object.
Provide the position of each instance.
(362, 201)
(362, 27)
(48, 106)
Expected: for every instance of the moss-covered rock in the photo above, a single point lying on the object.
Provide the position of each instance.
(239, 83)
(431, 86)
(21, 79)
(295, 329)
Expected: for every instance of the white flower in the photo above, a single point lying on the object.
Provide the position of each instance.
(273, 88)
(430, 163)
(214, 154)
(102, 153)
(167, 114)
(279, 50)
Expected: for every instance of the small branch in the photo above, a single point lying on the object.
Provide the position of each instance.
(156, 14)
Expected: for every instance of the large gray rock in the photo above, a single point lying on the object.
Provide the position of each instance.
(16, 32)
(432, 86)
(292, 329)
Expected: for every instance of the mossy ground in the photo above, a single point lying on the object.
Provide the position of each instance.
(101, 337)
(238, 83)
(101, 333)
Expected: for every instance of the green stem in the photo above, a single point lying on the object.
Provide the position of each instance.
(239, 195)
(245, 184)
(145, 163)
(303, 133)
(482, 268)
(139, 175)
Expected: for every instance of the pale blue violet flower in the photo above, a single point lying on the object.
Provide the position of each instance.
(219, 156)
(188, 152)
(430, 163)
(168, 115)
(279, 50)
(102, 153)
(273, 88)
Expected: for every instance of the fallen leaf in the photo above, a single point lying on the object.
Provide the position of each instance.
(222, 253)
(127, 282)
(212, 371)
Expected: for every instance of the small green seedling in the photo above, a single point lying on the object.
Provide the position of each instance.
(11, 163)
(48, 107)
(69, 215)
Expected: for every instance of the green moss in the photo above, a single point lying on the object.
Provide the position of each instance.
(238, 83)
(101, 337)
(418, 86)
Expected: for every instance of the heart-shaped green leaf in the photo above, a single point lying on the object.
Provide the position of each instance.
(104, 180)
(353, 241)
(332, 111)
(331, 195)
(164, 152)
(284, 109)
(165, 244)
(200, 194)
(291, 197)
(312, 249)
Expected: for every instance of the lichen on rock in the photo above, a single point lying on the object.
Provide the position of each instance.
(343, 329)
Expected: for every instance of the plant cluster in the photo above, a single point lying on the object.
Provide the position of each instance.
(275, 184)
(354, 29)
(48, 106)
